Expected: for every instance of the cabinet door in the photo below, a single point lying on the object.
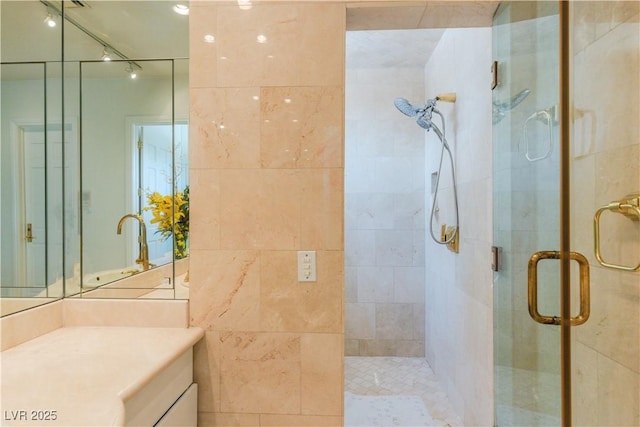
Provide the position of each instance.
(184, 412)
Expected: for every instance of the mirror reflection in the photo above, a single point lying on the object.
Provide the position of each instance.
(100, 194)
(31, 157)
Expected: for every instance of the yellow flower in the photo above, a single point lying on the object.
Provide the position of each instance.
(172, 216)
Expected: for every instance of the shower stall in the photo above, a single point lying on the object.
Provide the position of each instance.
(566, 230)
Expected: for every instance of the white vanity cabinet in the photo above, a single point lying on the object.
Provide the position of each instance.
(184, 412)
(164, 395)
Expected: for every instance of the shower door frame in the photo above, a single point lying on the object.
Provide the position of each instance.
(564, 318)
(583, 58)
(565, 215)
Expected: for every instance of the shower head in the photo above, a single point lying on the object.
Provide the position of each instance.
(518, 98)
(500, 108)
(424, 122)
(406, 108)
(423, 113)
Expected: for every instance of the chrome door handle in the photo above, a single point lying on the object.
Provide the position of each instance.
(585, 300)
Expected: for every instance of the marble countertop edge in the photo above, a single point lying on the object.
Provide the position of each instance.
(86, 373)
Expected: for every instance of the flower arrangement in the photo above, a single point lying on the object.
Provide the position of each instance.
(172, 216)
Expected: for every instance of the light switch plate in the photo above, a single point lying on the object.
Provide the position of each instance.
(306, 266)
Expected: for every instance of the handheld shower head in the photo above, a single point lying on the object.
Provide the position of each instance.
(424, 122)
(501, 108)
(406, 108)
(424, 119)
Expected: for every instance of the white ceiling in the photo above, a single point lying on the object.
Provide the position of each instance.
(150, 30)
(391, 48)
(138, 29)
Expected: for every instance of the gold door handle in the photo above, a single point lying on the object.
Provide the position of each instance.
(29, 235)
(585, 301)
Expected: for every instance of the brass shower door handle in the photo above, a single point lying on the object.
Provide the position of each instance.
(585, 300)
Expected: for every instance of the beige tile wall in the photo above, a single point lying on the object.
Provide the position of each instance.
(606, 349)
(266, 181)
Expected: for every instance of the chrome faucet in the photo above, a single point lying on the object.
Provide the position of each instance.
(143, 256)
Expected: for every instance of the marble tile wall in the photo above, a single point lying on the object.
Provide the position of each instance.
(459, 304)
(267, 114)
(606, 155)
(384, 214)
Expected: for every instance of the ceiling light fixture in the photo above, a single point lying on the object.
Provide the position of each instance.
(261, 38)
(50, 20)
(181, 9)
(245, 4)
(109, 52)
(210, 38)
(132, 69)
(106, 55)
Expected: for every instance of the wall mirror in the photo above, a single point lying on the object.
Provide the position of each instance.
(94, 150)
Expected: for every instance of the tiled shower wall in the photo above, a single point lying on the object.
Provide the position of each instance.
(459, 305)
(384, 215)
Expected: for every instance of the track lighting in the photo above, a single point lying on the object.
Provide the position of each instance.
(181, 9)
(109, 52)
(106, 54)
(132, 69)
(50, 20)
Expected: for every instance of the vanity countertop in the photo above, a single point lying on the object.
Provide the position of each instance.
(80, 376)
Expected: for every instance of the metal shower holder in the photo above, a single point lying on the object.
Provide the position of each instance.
(629, 207)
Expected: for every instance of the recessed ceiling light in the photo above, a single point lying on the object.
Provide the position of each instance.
(261, 38)
(209, 38)
(181, 9)
(244, 4)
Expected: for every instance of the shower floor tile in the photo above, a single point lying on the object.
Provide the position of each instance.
(377, 376)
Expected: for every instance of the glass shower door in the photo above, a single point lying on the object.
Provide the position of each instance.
(526, 211)
(581, 197)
